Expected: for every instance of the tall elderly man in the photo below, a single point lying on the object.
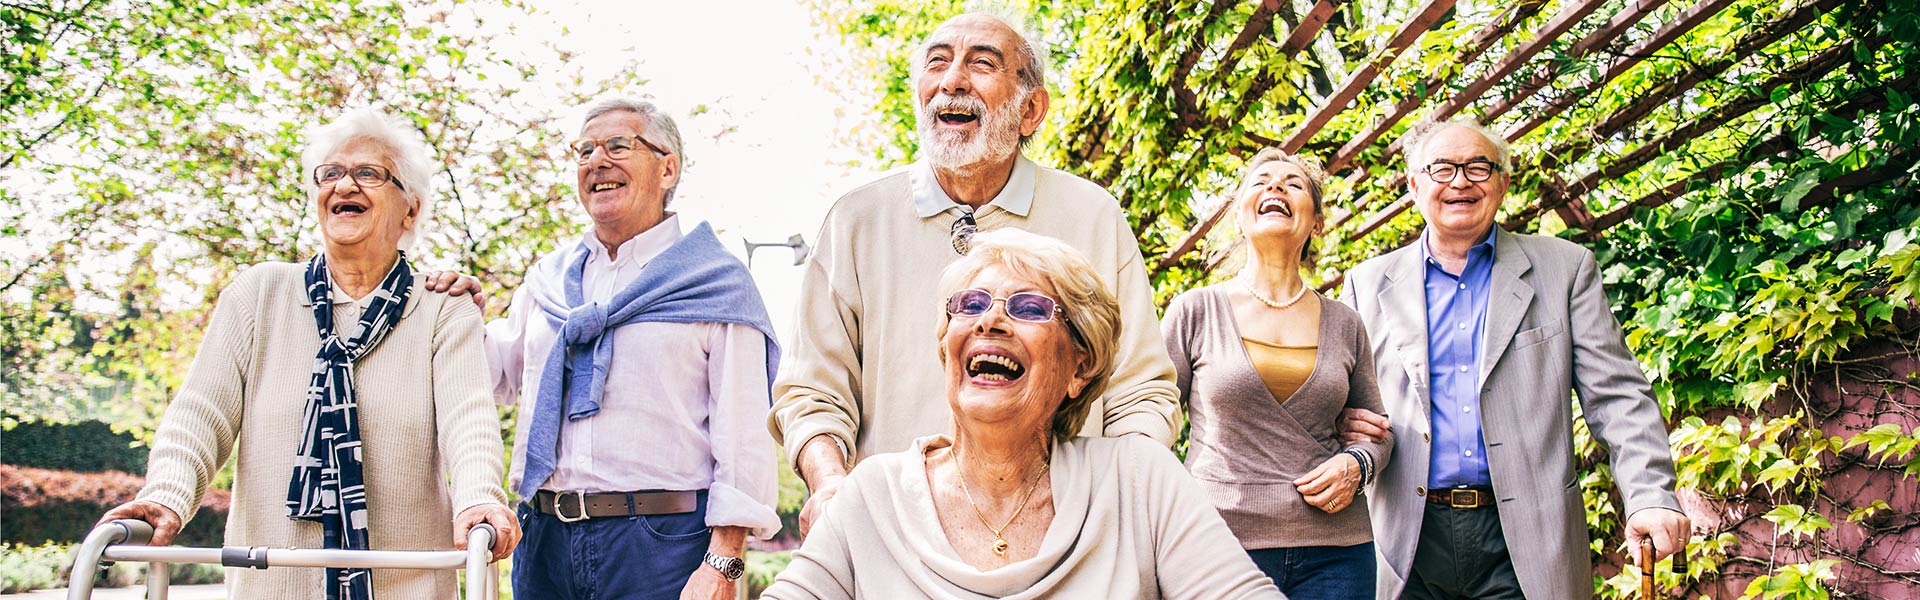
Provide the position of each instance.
(1479, 335)
(641, 358)
(865, 376)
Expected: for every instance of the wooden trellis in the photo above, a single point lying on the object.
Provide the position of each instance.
(1562, 192)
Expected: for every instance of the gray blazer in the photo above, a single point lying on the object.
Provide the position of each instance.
(1549, 331)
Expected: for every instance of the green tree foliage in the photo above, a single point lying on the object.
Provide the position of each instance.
(152, 150)
(1746, 178)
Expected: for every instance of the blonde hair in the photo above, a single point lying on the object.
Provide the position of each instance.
(1092, 312)
(404, 147)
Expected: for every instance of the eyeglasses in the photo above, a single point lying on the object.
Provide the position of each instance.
(960, 234)
(1476, 170)
(618, 147)
(1032, 307)
(367, 176)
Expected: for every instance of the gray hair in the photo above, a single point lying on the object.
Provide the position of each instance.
(1092, 312)
(1032, 75)
(661, 128)
(1425, 131)
(412, 166)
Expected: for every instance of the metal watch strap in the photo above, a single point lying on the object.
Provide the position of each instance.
(730, 567)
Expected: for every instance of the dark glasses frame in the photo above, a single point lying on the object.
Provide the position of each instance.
(1461, 169)
(376, 175)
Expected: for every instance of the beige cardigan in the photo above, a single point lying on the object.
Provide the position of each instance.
(1246, 446)
(1128, 523)
(863, 365)
(425, 412)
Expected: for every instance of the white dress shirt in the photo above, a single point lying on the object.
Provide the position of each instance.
(685, 404)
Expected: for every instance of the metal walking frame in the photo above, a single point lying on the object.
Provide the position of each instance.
(125, 541)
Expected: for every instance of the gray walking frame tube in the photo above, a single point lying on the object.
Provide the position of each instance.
(125, 541)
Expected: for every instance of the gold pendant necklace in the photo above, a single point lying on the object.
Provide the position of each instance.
(999, 541)
(1247, 282)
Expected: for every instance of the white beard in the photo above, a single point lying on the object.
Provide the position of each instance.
(997, 138)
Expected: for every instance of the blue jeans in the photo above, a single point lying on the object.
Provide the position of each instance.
(1319, 572)
(626, 558)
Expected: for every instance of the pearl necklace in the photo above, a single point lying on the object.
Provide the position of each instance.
(1247, 282)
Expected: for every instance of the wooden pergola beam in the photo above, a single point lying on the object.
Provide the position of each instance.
(1688, 20)
(1598, 38)
(1779, 143)
(1482, 41)
(1423, 19)
(1813, 69)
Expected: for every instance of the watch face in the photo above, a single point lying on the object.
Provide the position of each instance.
(730, 567)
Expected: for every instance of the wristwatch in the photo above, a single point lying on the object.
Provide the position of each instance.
(730, 567)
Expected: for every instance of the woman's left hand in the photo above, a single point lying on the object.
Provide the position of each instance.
(505, 525)
(1330, 486)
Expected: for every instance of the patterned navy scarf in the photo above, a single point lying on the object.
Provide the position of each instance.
(327, 485)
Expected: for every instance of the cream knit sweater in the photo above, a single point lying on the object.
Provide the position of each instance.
(432, 438)
(1128, 523)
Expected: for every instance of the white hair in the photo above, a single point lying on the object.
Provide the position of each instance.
(412, 166)
(1424, 132)
(660, 128)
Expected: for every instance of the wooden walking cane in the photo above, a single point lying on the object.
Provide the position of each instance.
(1647, 562)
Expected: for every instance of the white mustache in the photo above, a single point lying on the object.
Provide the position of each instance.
(942, 101)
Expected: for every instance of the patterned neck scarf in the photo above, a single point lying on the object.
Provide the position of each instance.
(327, 485)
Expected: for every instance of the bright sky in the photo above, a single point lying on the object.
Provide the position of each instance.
(763, 162)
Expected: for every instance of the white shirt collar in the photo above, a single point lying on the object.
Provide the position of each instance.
(1016, 197)
(641, 248)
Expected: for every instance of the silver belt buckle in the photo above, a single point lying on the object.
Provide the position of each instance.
(560, 503)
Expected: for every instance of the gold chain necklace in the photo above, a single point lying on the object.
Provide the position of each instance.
(1247, 282)
(999, 541)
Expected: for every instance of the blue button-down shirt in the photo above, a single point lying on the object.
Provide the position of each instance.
(1456, 324)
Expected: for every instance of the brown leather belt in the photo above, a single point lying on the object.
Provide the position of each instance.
(1462, 497)
(580, 506)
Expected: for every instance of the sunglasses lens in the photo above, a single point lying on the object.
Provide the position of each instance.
(1029, 307)
(969, 303)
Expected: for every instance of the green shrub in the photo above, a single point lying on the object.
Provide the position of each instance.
(761, 569)
(85, 446)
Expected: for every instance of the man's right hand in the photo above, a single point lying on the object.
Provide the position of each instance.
(165, 522)
(822, 465)
(1362, 425)
(455, 284)
(817, 504)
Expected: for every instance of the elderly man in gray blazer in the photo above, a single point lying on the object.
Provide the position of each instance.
(1478, 337)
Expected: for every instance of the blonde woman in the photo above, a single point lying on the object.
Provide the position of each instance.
(1266, 365)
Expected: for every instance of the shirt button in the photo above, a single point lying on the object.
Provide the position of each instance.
(1469, 453)
(1463, 325)
(1468, 409)
(1463, 368)
(1463, 286)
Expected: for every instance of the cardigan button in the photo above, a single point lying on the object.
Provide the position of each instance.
(1420, 490)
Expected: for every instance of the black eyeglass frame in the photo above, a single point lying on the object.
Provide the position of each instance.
(1462, 169)
(382, 176)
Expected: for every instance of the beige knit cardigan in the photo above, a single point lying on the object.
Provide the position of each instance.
(432, 438)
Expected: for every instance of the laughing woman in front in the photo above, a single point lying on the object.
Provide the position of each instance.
(1266, 366)
(1010, 505)
(354, 401)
